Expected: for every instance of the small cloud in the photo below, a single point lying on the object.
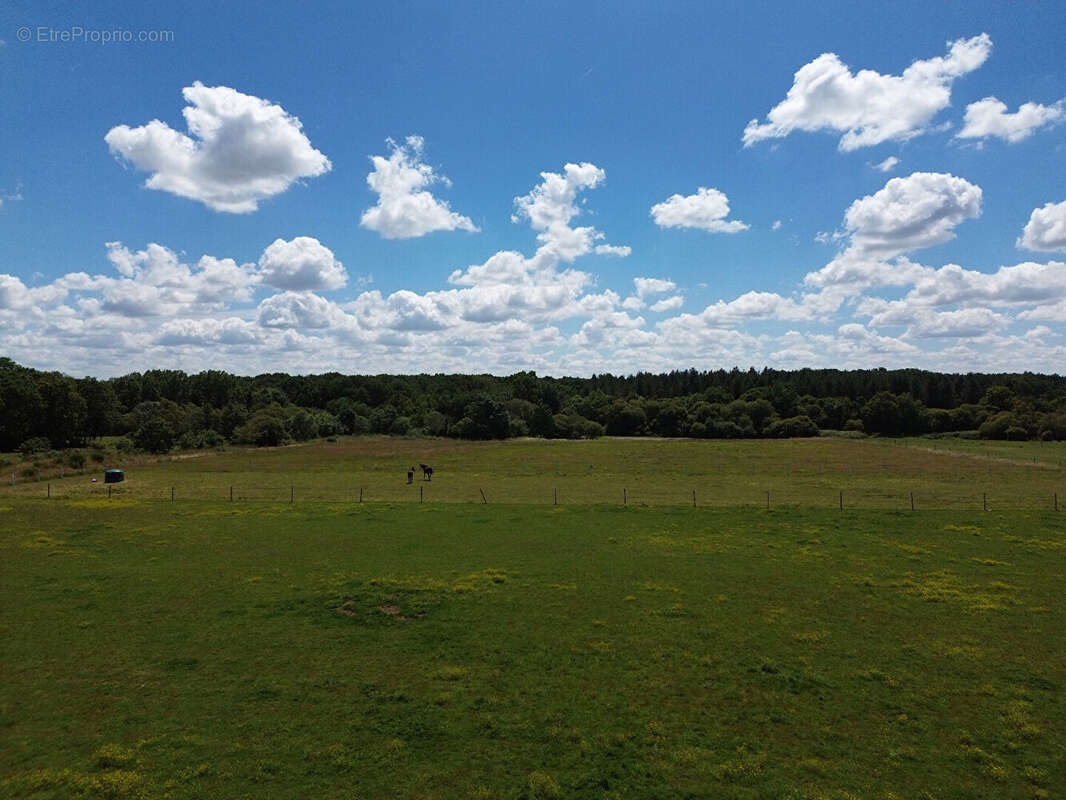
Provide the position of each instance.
(706, 210)
(989, 117)
(613, 250)
(667, 304)
(887, 165)
(1046, 229)
(405, 208)
(648, 286)
(776, 226)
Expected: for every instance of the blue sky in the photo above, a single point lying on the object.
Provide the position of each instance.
(893, 174)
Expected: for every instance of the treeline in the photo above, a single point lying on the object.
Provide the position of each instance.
(161, 409)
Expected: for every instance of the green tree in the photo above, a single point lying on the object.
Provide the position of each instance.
(20, 404)
(487, 420)
(155, 435)
(64, 410)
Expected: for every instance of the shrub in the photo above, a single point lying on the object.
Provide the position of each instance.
(266, 428)
(200, 440)
(1003, 425)
(792, 427)
(123, 444)
(36, 444)
(574, 426)
(76, 459)
(1017, 434)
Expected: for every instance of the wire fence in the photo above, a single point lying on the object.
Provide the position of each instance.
(783, 495)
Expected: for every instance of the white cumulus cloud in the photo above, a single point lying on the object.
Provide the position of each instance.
(909, 213)
(297, 310)
(405, 208)
(242, 149)
(552, 205)
(1046, 229)
(866, 106)
(304, 264)
(706, 210)
(645, 287)
(667, 304)
(989, 117)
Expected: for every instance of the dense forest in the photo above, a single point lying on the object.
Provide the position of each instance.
(158, 410)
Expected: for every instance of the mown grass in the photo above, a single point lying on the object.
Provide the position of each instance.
(209, 649)
(872, 473)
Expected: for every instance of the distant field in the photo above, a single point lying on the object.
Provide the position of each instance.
(871, 473)
(338, 650)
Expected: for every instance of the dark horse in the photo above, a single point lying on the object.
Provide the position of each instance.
(427, 472)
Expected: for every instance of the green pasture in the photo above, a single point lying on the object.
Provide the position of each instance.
(519, 649)
(871, 473)
(344, 650)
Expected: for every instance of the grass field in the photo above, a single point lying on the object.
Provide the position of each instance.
(871, 473)
(208, 649)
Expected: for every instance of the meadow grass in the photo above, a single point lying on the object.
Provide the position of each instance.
(392, 650)
(871, 473)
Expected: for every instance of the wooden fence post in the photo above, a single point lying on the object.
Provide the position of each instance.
(625, 498)
(172, 494)
(841, 499)
(292, 493)
(420, 493)
(49, 490)
(231, 494)
(912, 501)
(693, 498)
(556, 500)
(767, 501)
(984, 500)
(360, 494)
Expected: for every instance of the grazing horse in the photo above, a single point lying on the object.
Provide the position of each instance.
(427, 472)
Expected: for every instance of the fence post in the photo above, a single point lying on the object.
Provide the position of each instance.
(555, 502)
(231, 494)
(841, 499)
(483, 500)
(172, 494)
(625, 498)
(767, 501)
(420, 488)
(693, 498)
(360, 494)
(984, 500)
(292, 493)
(108, 492)
(1056, 501)
(49, 490)
(912, 501)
